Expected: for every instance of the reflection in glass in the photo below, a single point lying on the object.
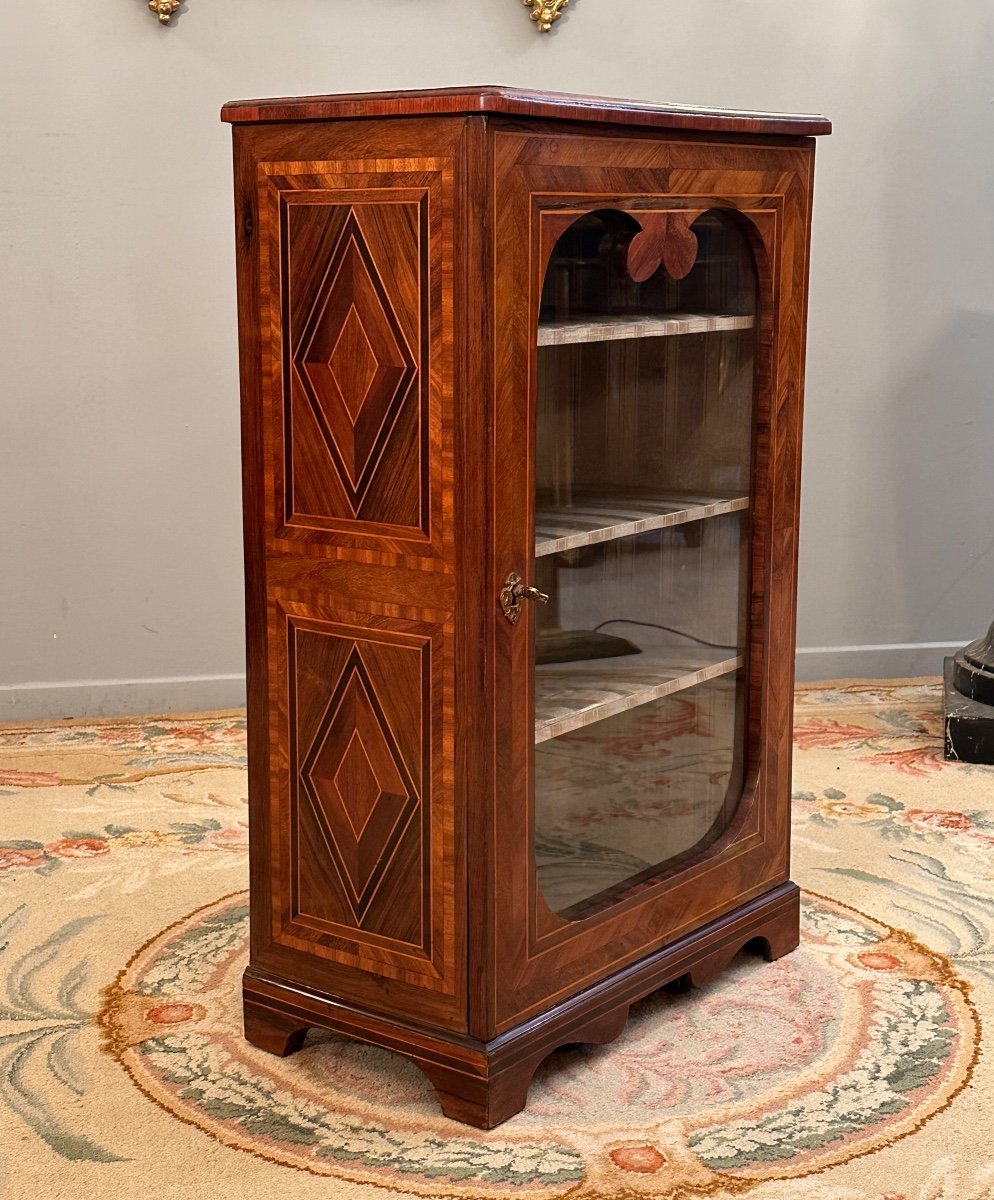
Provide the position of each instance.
(643, 499)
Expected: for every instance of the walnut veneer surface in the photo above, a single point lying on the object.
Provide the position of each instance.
(391, 250)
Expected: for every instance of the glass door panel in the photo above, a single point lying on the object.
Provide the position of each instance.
(642, 537)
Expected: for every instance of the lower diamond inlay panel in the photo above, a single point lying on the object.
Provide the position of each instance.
(357, 785)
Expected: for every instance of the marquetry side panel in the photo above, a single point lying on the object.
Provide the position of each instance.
(358, 765)
(349, 290)
(362, 853)
(352, 351)
(355, 281)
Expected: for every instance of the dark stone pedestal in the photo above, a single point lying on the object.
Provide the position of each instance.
(973, 670)
(969, 723)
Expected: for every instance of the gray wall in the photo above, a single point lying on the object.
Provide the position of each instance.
(121, 577)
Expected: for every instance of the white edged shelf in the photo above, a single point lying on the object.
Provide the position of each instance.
(624, 328)
(591, 521)
(573, 695)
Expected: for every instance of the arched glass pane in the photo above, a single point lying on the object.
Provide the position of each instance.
(646, 396)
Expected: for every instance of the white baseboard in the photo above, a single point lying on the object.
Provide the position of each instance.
(120, 697)
(203, 693)
(899, 660)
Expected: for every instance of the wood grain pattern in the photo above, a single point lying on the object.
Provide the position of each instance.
(483, 1083)
(361, 871)
(667, 240)
(498, 101)
(352, 369)
(541, 184)
(347, 284)
(355, 317)
(358, 761)
(391, 250)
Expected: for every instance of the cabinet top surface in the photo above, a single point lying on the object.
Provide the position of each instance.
(518, 102)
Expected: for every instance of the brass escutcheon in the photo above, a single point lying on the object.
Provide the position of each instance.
(513, 592)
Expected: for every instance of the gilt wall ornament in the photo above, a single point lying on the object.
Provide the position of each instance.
(545, 12)
(164, 9)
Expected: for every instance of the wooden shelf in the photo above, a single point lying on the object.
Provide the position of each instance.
(616, 329)
(590, 521)
(572, 695)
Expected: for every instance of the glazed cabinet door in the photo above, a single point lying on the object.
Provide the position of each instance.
(645, 544)
(348, 289)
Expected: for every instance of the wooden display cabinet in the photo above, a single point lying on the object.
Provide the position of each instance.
(521, 395)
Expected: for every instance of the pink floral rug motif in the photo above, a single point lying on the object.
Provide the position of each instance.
(853, 1069)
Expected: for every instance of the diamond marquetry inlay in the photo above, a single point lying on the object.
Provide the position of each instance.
(358, 786)
(353, 362)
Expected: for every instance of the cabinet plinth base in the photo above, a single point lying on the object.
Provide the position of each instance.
(485, 1083)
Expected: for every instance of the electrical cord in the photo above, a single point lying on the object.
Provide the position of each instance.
(668, 629)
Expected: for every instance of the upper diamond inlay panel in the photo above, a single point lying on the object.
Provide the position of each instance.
(353, 362)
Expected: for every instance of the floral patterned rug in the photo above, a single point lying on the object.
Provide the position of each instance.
(853, 1069)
